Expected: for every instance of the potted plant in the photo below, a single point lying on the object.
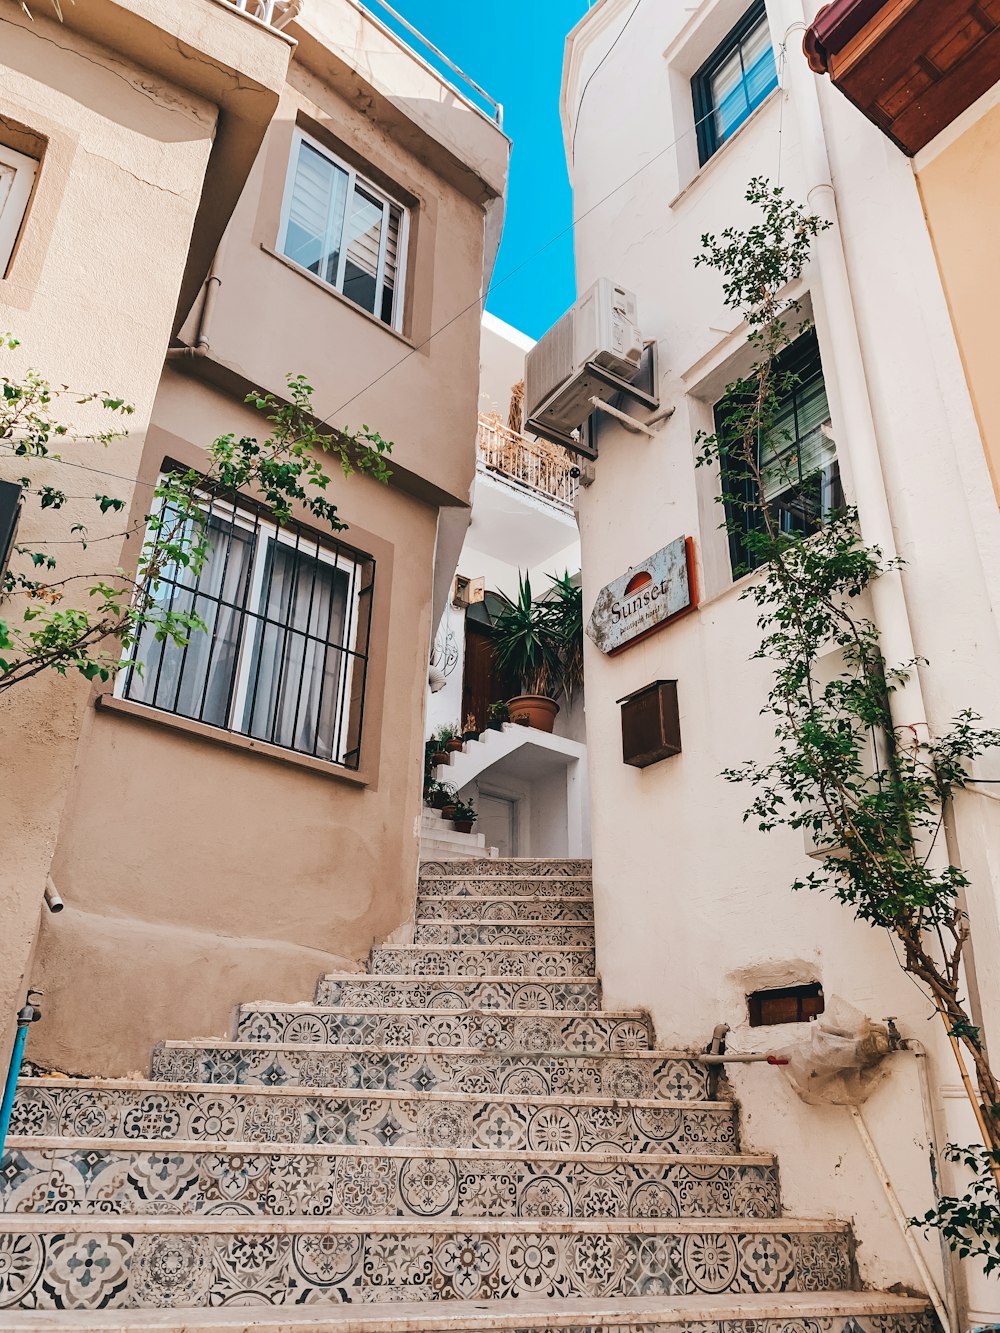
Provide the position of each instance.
(470, 731)
(528, 647)
(497, 714)
(441, 795)
(464, 817)
(436, 752)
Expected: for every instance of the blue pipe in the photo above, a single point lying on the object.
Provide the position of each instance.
(26, 1016)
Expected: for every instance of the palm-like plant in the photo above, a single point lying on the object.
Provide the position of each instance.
(527, 642)
(565, 602)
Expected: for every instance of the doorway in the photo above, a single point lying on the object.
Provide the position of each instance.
(498, 823)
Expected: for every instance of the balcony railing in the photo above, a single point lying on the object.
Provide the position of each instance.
(278, 12)
(265, 10)
(540, 466)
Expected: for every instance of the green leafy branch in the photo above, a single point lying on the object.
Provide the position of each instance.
(91, 623)
(870, 792)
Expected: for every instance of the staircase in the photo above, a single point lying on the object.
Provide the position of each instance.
(463, 1124)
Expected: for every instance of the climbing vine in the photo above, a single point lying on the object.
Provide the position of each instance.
(868, 791)
(91, 622)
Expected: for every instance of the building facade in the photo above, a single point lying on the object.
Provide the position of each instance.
(529, 787)
(243, 815)
(693, 908)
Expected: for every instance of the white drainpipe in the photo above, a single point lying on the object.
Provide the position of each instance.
(858, 440)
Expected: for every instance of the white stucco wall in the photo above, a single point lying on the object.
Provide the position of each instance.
(693, 906)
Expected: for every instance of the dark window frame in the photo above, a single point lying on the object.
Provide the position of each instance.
(802, 359)
(250, 613)
(709, 142)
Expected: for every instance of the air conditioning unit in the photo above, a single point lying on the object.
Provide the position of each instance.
(592, 352)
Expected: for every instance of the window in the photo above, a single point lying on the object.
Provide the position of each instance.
(285, 651)
(797, 459)
(786, 1004)
(735, 79)
(338, 226)
(17, 176)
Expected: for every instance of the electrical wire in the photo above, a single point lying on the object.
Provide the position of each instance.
(583, 94)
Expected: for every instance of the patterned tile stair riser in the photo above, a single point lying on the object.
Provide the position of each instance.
(107, 1110)
(97, 1263)
(535, 934)
(496, 870)
(101, 1177)
(854, 1313)
(471, 908)
(513, 887)
(527, 1031)
(535, 993)
(477, 960)
(642, 1074)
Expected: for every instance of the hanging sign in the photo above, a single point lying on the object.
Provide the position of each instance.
(648, 597)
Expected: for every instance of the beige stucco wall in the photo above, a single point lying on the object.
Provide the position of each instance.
(960, 188)
(197, 872)
(125, 154)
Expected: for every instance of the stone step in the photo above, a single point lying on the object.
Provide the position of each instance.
(786, 1312)
(547, 868)
(113, 1109)
(505, 886)
(478, 960)
(535, 934)
(483, 907)
(173, 1176)
(160, 1262)
(363, 991)
(657, 1074)
(505, 1029)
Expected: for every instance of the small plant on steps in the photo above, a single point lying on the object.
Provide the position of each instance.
(464, 816)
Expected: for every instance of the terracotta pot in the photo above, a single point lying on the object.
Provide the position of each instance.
(449, 810)
(454, 746)
(439, 757)
(533, 710)
(463, 825)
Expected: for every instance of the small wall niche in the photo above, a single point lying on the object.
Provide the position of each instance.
(785, 1004)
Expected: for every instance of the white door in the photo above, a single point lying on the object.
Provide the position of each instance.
(498, 823)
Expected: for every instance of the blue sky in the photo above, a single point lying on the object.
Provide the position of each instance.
(514, 49)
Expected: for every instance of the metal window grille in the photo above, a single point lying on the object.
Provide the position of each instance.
(733, 81)
(284, 653)
(797, 458)
(343, 229)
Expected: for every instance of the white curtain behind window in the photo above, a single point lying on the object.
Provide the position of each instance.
(296, 690)
(196, 681)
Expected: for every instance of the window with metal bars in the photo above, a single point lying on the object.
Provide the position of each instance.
(343, 229)
(733, 81)
(796, 459)
(284, 655)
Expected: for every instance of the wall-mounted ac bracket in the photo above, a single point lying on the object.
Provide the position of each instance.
(581, 442)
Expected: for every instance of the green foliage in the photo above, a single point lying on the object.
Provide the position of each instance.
(498, 712)
(871, 792)
(971, 1222)
(465, 812)
(92, 623)
(540, 641)
(445, 733)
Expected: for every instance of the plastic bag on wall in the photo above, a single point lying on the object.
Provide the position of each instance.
(838, 1063)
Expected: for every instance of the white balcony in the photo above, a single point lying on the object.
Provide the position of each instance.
(541, 467)
(267, 11)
